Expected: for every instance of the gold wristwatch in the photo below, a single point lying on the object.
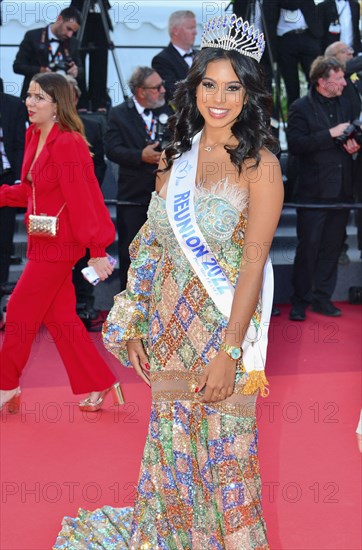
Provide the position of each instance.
(232, 351)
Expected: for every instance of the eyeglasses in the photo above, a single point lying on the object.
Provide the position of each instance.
(158, 88)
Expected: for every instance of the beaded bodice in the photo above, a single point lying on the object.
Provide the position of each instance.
(221, 215)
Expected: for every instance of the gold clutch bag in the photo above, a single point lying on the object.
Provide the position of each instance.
(43, 225)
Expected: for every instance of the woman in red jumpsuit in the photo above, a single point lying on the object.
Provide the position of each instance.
(58, 167)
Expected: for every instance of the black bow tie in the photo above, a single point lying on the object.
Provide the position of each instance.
(190, 54)
(146, 112)
(54, 40)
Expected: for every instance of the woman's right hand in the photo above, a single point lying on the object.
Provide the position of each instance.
(139, 359)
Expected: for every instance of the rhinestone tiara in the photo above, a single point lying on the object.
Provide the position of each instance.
(232, 33)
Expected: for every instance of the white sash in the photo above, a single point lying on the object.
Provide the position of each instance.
(181, 214)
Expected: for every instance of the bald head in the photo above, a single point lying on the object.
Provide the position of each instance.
(340, 51)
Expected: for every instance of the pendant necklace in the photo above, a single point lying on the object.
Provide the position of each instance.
(209, 148)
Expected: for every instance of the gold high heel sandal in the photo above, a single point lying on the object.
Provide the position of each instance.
(12, 403)
(92, 406)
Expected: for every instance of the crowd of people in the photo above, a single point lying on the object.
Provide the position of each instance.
(195, 152)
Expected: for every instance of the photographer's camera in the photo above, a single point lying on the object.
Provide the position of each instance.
(353, 131)
(61, 67)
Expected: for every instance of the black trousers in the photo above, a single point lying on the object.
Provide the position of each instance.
(293, 49)
(84, 291)
(130, 219)
(95, 44)
(320, 239)
(7, 228)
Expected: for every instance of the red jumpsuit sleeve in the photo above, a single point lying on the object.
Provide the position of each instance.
(90, 220)
(14, 195)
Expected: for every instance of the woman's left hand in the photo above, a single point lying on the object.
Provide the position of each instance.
(218, 379)
(102, 266)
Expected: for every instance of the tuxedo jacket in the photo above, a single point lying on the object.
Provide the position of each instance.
(328, 13)
(34, 53)
(13, 120)
(325, 170)
(62, 174)
(125, 138)
(171, 67)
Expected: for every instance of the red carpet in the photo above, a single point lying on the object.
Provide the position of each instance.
(55, 459)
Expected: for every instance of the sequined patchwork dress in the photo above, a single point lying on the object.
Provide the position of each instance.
(199, 486)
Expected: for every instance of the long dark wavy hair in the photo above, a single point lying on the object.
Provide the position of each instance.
(251, 128)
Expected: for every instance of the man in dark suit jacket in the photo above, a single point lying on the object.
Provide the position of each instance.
(52, 48)
(174, 61)
(131, 141)
(339, 20)
(13, 117)
(325, 175)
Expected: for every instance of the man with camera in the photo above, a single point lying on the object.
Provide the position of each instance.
(320, 136)
(52, 48)
(134, 140)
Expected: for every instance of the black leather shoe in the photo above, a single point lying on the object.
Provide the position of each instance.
(326, 308)
(297, 314)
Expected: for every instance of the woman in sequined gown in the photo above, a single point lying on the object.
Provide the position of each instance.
(199, 485)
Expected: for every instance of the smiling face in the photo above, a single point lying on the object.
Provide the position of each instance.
(220, 97)
(40, 106)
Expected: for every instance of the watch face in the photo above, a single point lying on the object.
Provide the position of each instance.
(235, 353)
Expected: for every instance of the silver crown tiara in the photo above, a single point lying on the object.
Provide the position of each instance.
(233, 33)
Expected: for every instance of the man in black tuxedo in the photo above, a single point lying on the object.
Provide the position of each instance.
(13, 117)
(52, 48)
(325, 175)
(174, 61)
(340, 22)
(296, 29)
(131, 141)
